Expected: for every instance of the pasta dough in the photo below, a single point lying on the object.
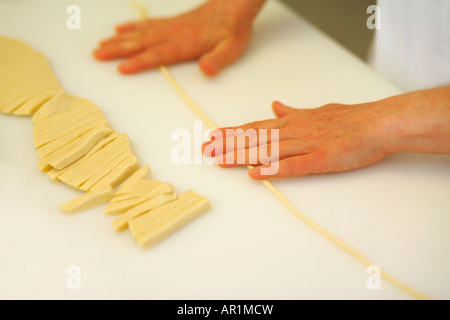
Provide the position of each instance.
(151, 227)
(77, 146)
(88, 200)
(27, 80)
(122, 221)
(159, 227)
(136, 192)
(142, 173)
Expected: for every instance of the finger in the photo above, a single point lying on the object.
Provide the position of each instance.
(133, 26)
(122, 37)
(256, 125)
(164, 54)
(121, 49)
(243, 140)
(281, 110)
(208, 149)
(262, 155)
(289, 167)
(128, 44)
(247, 136)
(227, 139)
(256, 133)
(223, 54)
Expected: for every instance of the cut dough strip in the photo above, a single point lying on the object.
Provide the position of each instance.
(52, 146)
(90, 165)
(157, 224)
(142, 173)
(121, 222)
(119, 173)
(17, 99)
(61, 110)
(161, 228)
(92, 120)
(55, 173)
(22, 71)
(136, 192)
(114, 208)
(141, 223)
(33, 104)
(75, 149)
(111, 165)
(145, 187)
(88, 200)
(125, 197)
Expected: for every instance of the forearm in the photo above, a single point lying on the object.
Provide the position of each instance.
(415, 122)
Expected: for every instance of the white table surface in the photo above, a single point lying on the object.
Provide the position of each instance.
(249, 246)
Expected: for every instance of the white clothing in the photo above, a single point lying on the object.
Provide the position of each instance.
(412, 46)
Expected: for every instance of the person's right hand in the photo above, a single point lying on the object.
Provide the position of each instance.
(217, 33)
(337, 137)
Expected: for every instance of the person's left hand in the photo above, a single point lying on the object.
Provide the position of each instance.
(216, 33)
(331, 138)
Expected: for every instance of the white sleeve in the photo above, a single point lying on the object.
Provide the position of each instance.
(412, 46)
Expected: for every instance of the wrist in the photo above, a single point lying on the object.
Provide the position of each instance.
(414, 122)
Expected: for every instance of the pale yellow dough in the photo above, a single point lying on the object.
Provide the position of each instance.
(48, 148)
(121, 222)
(88, 200)
(119, 173)
(146, 187)
(133, 193)
(80, 172)
(119, 207)
(55, 173)
(140, 224)
(142, 173)
(27, 80)
(77, 146)
(152, 227)
(75, 149)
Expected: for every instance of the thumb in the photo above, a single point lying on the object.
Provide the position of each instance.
(281, 110)
(224, 53)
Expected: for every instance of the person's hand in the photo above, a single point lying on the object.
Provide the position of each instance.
(328, 139)
(338, 137)
(217, 33)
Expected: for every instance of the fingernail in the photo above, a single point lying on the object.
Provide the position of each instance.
(99, 54)
(126, 67)
(221, 160)
(207, 68)
(208, 151)
(255, 172)
(214, 133)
